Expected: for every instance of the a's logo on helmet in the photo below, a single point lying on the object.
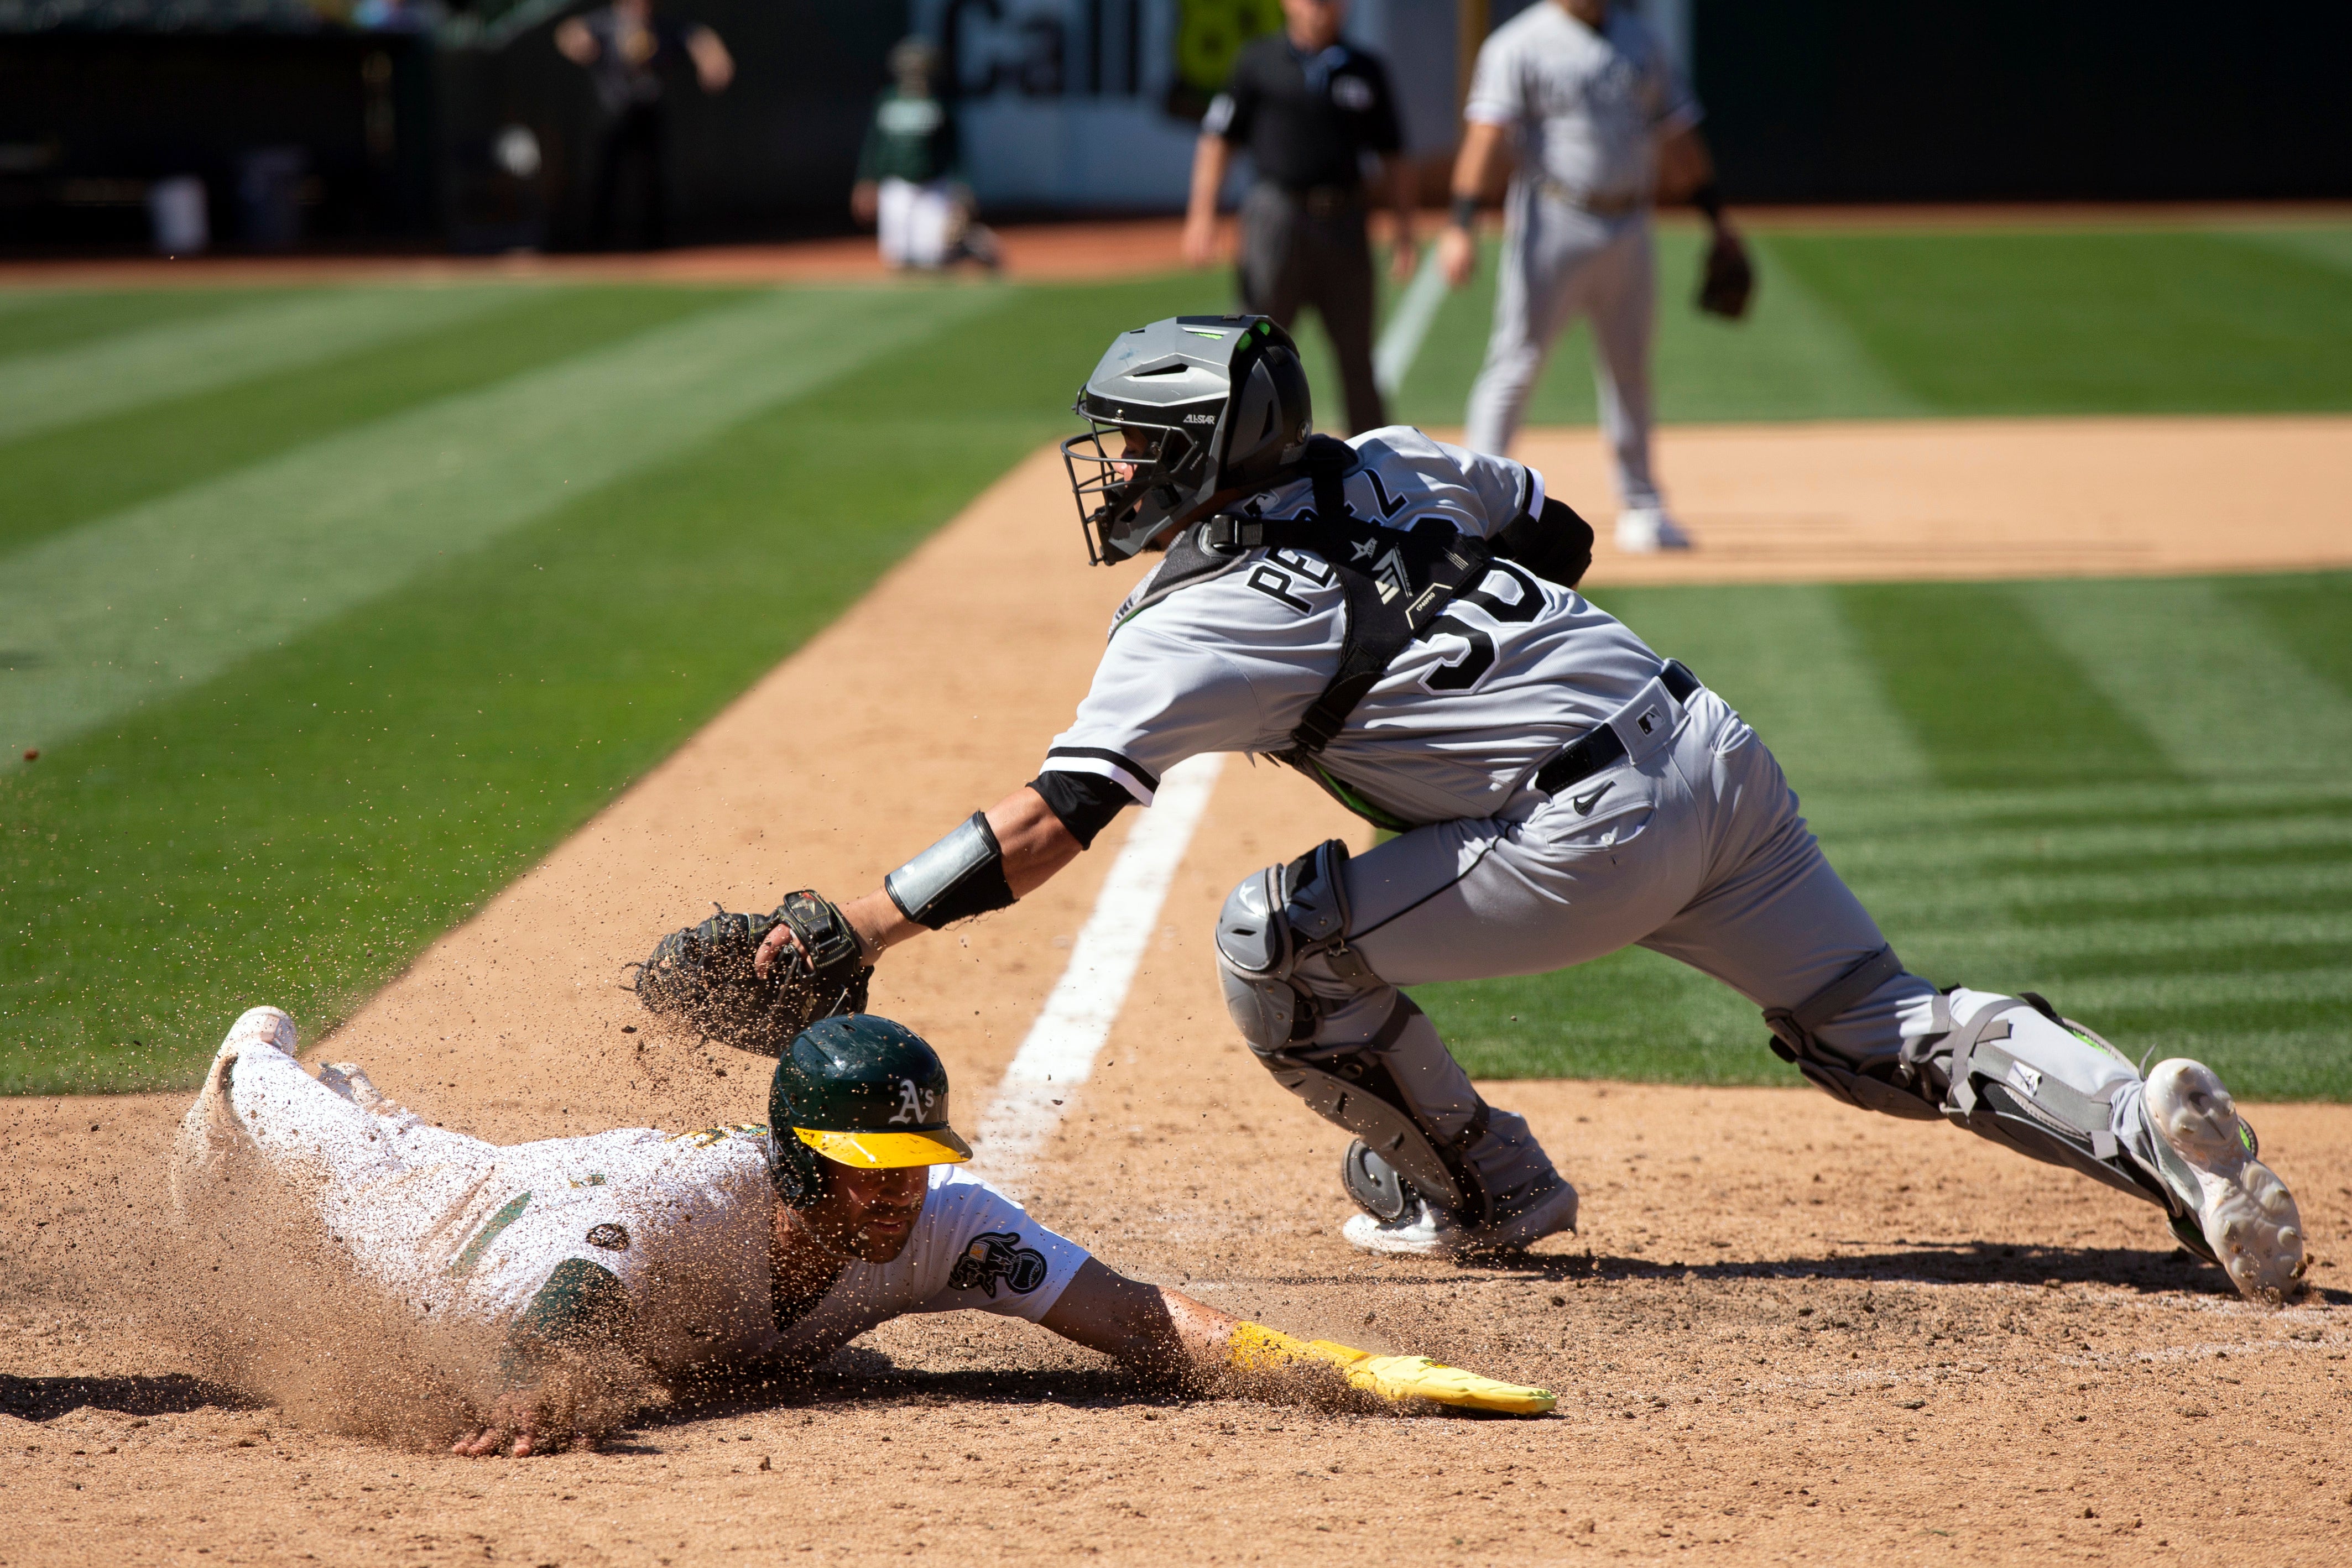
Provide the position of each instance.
(912, 1103)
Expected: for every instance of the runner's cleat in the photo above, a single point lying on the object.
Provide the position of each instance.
(2249, 1219)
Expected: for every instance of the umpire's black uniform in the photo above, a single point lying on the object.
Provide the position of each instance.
(1306, 120)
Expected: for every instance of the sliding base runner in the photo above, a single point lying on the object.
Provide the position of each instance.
(606, 1262)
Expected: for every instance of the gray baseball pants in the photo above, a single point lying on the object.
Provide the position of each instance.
(1695, 850)
(1560, 262)
(1295, 251)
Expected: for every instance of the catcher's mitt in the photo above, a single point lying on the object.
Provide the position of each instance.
(703, 978)
(1728, 282)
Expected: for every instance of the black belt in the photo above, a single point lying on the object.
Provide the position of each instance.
(1601, 746)
(1325, 201)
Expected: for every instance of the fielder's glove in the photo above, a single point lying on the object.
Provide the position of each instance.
(702, 975)
(1727, 281)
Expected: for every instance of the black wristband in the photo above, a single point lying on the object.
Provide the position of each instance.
(1465, 212)
(1708, 199)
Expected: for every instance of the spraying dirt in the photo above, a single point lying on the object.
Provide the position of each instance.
(1786, 1329)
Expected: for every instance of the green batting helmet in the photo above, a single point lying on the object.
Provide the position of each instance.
(855, 1090)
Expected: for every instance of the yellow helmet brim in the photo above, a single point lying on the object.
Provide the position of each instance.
(887, 1151)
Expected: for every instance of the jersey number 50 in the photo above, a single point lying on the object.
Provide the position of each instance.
(1466, 673)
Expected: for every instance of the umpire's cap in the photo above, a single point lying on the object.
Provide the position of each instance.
(856, 1090)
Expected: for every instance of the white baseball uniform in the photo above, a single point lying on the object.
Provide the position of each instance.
(465, 1231)
(1586, 106)
(1690, 844)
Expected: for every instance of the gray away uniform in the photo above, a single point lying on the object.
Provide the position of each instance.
(1586, 109)
(1690, 844)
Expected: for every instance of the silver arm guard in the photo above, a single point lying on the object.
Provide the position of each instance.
(958, 877)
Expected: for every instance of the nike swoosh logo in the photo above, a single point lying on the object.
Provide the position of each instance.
(1584, 803)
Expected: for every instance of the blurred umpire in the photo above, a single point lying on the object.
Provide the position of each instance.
(1306, 108)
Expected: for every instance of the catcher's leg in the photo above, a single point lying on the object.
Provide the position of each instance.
(1784, 929)
(1311, 955)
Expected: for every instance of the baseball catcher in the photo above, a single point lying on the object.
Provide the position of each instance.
(1397, 619)
(735, 1249)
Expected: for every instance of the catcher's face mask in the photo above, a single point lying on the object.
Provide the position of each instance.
(1130, 481)
(1179, 413)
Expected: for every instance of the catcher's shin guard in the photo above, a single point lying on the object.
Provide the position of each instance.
(2015, 1073)
(1400, 1090)
(2010, 1069)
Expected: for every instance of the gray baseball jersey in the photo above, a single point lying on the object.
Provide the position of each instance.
(1586, 104)
(1459, 720)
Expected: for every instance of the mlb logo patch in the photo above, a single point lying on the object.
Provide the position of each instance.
(1648, 722)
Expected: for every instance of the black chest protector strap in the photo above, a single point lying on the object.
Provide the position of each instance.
(1397, 582)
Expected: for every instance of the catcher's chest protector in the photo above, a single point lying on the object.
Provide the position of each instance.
(1398, 584)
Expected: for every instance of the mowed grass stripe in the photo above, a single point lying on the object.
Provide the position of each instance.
(2061, 897)
(1807, 689)
(2199, 674)
(2184, 827)
(2225, 943)
(301, 825)
(170, 593)
(2148, 322)
(63, 386)
(2166, 893)
(1988, 696)
(62, 478)
(2307, 615)
(1890, 325)
(44, 319)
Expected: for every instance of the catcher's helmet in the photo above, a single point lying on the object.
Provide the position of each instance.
(1201, 405)
(855, 1090)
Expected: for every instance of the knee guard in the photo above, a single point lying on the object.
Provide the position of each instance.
(1273, 921)
(1884, 1082)
(1276, 920)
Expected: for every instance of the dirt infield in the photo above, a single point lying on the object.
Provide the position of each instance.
(1915, 499)
(1788, 1329)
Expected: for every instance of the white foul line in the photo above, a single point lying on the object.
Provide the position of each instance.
(1059, 1052)
(1393, 355)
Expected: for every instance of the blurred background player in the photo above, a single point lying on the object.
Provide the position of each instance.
(626, 48)
(1604, 126)
(908, 172)
(1307, 106)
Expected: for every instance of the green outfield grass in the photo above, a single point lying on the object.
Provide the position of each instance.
(2128, 795)
(330, 609)
(1863, 326)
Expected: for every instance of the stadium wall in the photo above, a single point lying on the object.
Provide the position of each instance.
(1964, 101)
